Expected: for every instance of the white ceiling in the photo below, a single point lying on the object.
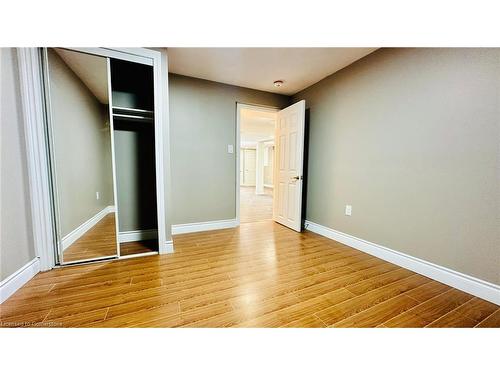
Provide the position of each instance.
(258, 68)
(91, 69)
(256, 126)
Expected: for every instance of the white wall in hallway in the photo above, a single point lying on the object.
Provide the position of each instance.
(248, 166)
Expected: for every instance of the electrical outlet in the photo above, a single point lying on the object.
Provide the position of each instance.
(348, 210)
(97, 195)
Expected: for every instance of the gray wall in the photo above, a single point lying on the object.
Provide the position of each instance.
(135, 175)
(411, 138)
(202, 124)
(82, 147)
(16, 232)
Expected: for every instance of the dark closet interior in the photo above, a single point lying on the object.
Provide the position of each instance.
(134, 138)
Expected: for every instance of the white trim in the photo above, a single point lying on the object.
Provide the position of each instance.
(137, 235)
(239, 107)
(204, 226)
(89, 260)
(51, 156)
(138, 255)
(169, 246)
(15, 281)
(137, 55)
(113, 156)
(76, 233)
(477, 287)
(162, 124)
(30, 78)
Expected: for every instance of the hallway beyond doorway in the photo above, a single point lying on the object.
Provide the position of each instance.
(255, 207)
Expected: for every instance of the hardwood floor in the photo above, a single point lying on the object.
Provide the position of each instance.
(255, 207)
(138, 247)
(258, 275)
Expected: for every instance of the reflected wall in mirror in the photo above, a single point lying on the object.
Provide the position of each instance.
(81, 155)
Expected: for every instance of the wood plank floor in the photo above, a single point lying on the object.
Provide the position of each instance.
(258, 275)
(138, 247)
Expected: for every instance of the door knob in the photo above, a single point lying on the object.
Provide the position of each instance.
(296, 178)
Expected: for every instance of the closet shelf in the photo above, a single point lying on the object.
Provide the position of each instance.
(133, 118)
(133, 114)
(132, 110)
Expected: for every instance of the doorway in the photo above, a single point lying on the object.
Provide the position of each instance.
(255, 154)
(271, 141)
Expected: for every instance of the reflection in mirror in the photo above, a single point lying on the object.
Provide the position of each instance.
(81, 155)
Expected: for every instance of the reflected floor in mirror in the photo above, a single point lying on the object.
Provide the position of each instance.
(99, 241)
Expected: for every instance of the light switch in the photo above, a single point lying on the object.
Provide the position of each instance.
(348, 210)
(97, 195)
(230, 149)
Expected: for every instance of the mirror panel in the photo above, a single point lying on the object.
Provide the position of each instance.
(80, 135)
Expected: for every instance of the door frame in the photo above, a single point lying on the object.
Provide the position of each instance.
(239, 107)
(31, 77)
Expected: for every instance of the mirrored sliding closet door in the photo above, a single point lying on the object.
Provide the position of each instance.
(81, 155)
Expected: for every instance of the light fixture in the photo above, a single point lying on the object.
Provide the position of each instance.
(278, 83)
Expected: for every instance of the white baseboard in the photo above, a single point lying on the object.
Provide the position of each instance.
(15, 281)
(472, 285)
(137, 235)
(169, 247)
(85, 227)
(201, 227)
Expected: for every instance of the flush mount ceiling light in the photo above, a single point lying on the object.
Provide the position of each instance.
(278, 83)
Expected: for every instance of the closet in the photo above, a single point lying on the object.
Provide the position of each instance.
(103, 150)
(132, 105)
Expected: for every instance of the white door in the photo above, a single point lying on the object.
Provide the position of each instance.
(249, 166)
(289, 159)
